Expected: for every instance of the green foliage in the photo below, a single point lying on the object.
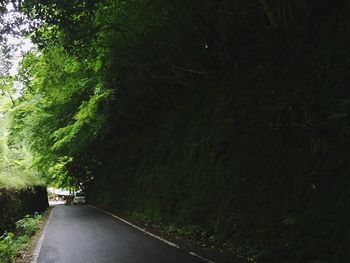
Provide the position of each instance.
(7, 247)
(228, 116)
(60, 113)
(28, 225)
(12, 243)
(16, 160)
(87, 124)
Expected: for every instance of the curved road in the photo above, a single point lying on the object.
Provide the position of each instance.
(83, 234)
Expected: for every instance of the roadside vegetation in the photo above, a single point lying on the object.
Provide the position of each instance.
(12, 243)
(228, 118)
(16, 161)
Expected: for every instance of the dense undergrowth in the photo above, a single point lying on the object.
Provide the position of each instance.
(12, 243)
(226, 118)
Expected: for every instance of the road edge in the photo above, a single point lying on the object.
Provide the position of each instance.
(151, 234)
(39, 245)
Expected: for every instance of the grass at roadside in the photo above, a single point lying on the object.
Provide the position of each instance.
(12, 243)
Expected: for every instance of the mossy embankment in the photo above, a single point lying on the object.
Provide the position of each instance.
(16, 203)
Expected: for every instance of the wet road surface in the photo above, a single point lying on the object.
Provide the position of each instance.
(83, 234)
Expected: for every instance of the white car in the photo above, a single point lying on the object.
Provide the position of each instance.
(79, 198)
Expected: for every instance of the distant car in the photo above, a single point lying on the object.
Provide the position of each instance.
(79, 198)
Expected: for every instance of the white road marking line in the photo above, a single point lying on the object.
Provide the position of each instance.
(152, 235)
(41, 240)
(202, 258)
(139, 228)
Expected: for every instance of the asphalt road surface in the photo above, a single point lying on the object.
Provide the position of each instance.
(84, 234)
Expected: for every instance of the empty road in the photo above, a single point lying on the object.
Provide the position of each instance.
(83, 234)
